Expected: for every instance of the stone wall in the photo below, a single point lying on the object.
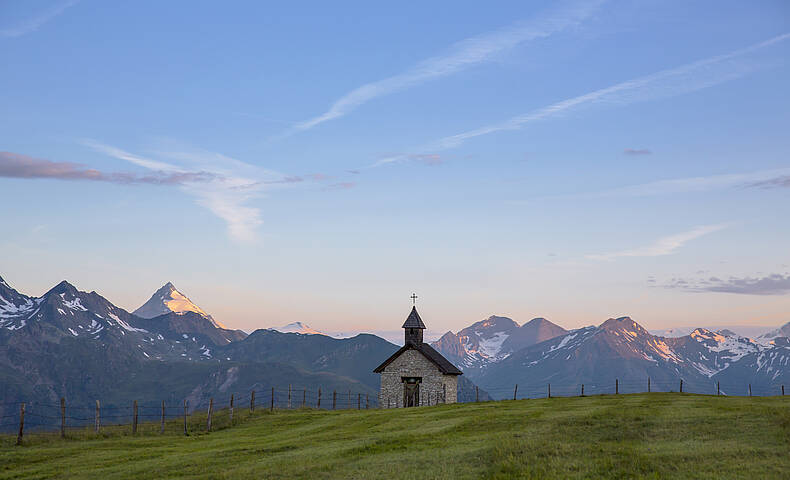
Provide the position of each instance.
(412, 363)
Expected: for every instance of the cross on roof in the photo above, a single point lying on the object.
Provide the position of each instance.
(413, 299)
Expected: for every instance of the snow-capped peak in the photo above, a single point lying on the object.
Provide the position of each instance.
(299, 327)
(168, 299)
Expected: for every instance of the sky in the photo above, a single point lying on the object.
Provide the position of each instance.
(320, 162)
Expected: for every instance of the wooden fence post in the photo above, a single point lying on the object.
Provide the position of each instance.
(318, 403)
(444, 393)
(62, 417)
(304, 397)
(718, 389)
(97, 419)
(783, 390)
(21, 424)
(162, 425)
(134, 417)
(289, 396)
(359, 401)
(185, 417)
(582, 389)
(515, 392)
(231, 409)
(549, 390)
(272, 407)
(252, 402)
(210, 410)
(681, 385)
(477, 394)
(367, 401)
(616, 386)
(334, 399)
(648, 384)
(750, 389)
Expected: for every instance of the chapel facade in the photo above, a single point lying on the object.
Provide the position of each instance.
(417, 374)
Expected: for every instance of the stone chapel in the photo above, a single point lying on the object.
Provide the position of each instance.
(417, 374)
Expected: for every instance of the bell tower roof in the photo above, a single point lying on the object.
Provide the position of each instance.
(413, 320)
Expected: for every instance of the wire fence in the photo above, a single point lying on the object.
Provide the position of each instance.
(185, 417)
(211, 414)
(648, 385)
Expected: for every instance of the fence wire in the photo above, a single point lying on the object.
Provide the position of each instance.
(193, 416)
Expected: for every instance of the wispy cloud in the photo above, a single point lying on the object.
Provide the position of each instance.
(663, 246)
(15, 165)
(760, 178)
(33, 23)
(666, 83)
(781, 181)
(227, 195)
(637, 151)
(773, 284)
(341, 185)
(462, 55)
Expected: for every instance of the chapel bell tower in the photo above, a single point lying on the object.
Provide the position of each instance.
(413, 326)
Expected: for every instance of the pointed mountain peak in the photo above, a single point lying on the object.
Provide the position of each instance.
(169, 300)
(62, 287)
(166, 289)
(622, 323)
(497, 322)
(537, 321)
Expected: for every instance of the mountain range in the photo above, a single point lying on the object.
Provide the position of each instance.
(78, 345)
(497, 354)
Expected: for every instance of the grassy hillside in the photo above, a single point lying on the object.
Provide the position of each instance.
(659, 435)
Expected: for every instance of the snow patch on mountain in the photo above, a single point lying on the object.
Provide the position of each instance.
(735, 346)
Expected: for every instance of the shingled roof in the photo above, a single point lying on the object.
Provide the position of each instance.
(413, 320)
(428, 352)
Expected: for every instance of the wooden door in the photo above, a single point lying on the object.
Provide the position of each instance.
(411, 394)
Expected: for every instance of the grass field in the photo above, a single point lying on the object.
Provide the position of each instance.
(659, 435)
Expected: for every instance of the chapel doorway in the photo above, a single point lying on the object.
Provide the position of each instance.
(411, 391)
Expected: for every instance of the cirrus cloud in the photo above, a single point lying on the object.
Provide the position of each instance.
(771, 284)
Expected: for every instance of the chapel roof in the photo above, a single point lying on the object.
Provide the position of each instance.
(413, 320)
(444, 365)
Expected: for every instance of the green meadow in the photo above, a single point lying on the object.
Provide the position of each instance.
(658, 435)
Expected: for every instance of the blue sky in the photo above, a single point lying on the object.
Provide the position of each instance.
(319, 162)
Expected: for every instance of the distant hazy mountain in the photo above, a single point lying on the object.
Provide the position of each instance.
(169, 300)
(750, 331)
(299, 327)
(783, 331)
(492, 340)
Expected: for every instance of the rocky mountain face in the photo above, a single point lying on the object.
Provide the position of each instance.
(493, 340)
